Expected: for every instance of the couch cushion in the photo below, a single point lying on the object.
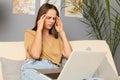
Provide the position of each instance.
(11, 69)
(12, 50)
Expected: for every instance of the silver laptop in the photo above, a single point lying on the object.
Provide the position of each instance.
(79, 66)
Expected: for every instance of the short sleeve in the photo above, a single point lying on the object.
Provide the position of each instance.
(29, 37)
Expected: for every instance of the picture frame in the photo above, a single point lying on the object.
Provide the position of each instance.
(24, 7)
(73, 8)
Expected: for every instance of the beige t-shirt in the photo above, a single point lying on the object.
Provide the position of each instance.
(52, 51)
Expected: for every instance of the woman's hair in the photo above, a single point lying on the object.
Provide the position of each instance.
(43, 10)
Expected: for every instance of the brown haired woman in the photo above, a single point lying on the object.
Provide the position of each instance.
(45, 44)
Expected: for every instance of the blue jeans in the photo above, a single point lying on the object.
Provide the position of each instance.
(28, 71)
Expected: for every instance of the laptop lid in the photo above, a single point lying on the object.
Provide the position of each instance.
(81, 65)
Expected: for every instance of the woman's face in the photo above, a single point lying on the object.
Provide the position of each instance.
(50, 19)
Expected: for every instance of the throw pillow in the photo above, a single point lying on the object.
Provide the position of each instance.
(11, 69)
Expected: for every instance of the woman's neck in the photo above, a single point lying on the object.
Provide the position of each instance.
(47, 34)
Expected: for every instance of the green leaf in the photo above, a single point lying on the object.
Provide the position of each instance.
(108, 7)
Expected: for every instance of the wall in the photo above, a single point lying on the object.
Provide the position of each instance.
(13, 26)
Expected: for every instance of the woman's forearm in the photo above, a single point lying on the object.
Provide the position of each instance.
(67, 46)
(35, 49)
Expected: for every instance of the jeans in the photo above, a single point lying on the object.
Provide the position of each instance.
(28, 71)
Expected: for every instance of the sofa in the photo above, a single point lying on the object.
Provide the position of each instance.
(12, 56)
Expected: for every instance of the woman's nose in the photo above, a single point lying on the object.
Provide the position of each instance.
(52, 20)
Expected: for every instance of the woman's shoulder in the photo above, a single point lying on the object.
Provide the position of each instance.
(30, 31)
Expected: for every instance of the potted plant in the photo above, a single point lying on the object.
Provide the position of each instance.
(115, 28)
(102, 24)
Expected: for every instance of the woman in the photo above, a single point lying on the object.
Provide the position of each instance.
(45, 43)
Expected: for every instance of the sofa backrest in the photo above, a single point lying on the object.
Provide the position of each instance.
(12, 50)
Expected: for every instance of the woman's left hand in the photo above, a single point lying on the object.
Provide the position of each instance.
(58, 25)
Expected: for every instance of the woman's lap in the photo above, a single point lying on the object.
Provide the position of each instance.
(29, 72)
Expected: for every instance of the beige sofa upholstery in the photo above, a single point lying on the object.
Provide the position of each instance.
(107, 69)
(12, 51)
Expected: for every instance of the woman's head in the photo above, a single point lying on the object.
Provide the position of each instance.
(47, 9)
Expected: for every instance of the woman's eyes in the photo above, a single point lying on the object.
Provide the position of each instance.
(54, 18)
(48, 17)
(51, 18)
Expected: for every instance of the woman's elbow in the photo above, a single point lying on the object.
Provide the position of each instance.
(34, 55)
(67, 55)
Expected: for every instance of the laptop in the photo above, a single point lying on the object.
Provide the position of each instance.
(79, 66)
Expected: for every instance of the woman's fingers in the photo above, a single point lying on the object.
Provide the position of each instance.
(40, 22)
(43, 16)
(58, 24)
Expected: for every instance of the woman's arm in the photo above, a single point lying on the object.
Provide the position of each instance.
(66, 45)
(35, 49)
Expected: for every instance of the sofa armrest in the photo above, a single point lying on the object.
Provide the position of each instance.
(12, 50)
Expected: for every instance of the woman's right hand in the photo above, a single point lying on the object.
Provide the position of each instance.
(40, 23)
